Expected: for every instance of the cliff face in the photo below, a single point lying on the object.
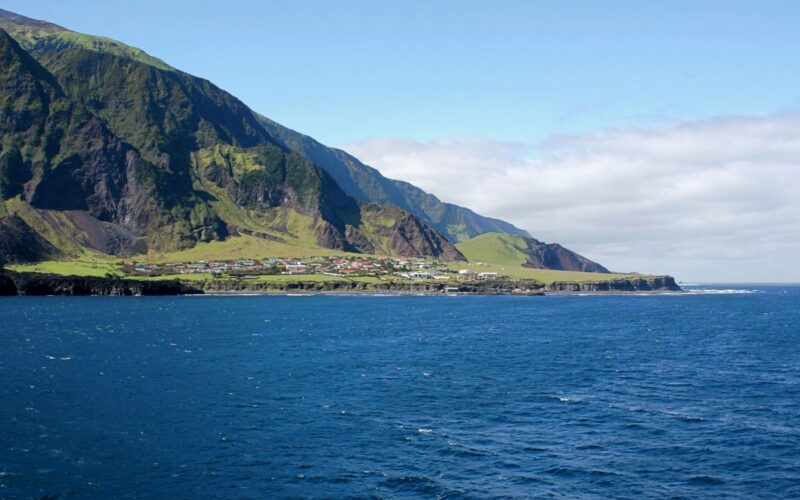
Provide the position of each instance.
(36, 284)
(643, 284)
(19, 243)
(554, 256)
(139, 156)
(13, 283)
(367, 184)
(55, 155)
(7, 286)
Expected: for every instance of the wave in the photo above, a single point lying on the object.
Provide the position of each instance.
(719, 291)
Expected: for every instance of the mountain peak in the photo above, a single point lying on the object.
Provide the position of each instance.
(20, 19)
(41, 35)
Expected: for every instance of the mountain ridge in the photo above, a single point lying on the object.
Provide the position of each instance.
(124, 164)
(366, 183)
(34, 33)
(159, 159)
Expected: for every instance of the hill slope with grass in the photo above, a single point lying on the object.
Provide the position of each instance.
(110, 151)
(365, 183)
(106, 149)
(519, 251)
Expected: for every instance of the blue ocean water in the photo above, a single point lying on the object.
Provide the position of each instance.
(678, 396)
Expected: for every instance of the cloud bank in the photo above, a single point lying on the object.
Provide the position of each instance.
(715, 200)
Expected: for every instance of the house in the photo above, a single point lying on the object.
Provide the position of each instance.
(297, 268)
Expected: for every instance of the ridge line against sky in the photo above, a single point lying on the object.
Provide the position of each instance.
(513, 71)
(652, 137)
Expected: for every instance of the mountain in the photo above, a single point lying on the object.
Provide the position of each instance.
(511, 250)
(32, 34)
(107, 148)
(365, 183)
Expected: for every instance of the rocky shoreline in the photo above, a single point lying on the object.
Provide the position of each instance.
(38, 284)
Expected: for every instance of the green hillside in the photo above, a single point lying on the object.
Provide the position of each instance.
(495, 248)
(106, 150)
(31, 33)
(365, 183)
(520, 251)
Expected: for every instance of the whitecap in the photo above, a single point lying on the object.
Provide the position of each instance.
(719, 291)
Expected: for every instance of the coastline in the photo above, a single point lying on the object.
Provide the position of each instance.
(14, 283)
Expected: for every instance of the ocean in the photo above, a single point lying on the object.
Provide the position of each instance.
(651, 396)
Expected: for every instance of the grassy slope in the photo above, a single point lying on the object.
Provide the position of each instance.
(243, 247)
(498, 254)
(29, 35)
(495, 248)
(503, 253)
(87, 265)
(542, 275)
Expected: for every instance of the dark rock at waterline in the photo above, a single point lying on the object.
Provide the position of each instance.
(637, 284)
(14, 283)
(7, 286)
(37, 284)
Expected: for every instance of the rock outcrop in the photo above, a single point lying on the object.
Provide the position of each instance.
(643, 284)
(554, 256)
(15, 283)
(39, 284)
(142, 157)
(19, 243)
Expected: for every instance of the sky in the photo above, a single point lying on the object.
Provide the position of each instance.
(660, 137)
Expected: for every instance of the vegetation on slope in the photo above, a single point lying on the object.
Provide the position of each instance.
(141, 158)
(32, 34)
(511, 250)
(106, 148)
(367, 184)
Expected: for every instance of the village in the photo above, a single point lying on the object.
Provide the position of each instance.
(415, 269)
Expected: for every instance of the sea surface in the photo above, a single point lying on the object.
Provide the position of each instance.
(660, 396)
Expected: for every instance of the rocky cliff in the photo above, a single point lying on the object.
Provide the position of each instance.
(12, 283)
(19, 243)
(138, 156)
(642, 284)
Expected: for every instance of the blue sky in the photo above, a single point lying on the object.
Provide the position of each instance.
(345, 71)
(661, 137)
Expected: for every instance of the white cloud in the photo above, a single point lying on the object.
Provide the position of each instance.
(707, 200)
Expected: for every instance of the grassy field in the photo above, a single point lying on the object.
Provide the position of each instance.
(487, 253)
(546, 276)
(96, 267)
(504, 254)
(242, 247)
(85, 266)
(504, 249)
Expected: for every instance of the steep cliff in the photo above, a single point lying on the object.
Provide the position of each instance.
(365, 183)
(141, 157)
